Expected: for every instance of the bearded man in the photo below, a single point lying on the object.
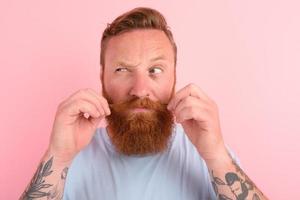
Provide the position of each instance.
(157, 144)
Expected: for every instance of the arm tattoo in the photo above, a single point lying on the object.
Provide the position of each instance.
(37, 187)
(239, 184)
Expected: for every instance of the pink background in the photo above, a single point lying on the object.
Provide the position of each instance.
(244, 54)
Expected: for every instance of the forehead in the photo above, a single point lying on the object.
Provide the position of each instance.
(139, 44)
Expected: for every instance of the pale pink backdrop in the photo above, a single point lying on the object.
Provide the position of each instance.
(244, 54)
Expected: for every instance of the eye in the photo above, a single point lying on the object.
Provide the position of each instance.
(155, 70)
(121, 69)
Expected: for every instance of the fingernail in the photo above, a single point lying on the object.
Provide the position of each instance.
(86, 115)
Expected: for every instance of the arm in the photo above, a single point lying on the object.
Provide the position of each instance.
(49, 179)
(75, 123)
(199, 117)
(230, 181)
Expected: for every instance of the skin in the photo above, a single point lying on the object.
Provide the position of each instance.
(138, 66)
(137, 63)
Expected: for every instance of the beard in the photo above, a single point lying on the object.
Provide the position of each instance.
(140, 133)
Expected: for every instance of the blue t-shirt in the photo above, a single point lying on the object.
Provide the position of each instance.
(179, 173)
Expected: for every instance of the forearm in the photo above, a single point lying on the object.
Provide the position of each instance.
(49, 179)
(230, 182)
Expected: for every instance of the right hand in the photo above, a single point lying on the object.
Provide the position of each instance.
(72, 131)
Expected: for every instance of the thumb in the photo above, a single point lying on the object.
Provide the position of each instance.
(96, 121)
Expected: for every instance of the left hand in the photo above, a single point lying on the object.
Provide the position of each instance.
(199, 117)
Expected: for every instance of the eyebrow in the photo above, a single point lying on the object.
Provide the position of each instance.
(161, 57)
(130, 65)
(127, 65)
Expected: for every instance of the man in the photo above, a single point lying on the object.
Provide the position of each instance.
(158, 144)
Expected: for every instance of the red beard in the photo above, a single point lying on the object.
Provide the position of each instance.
(140, 133)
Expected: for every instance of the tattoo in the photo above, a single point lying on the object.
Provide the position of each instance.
(56, 193)
(38, 183)
(239, 184)
(37, 186)
(64, 173)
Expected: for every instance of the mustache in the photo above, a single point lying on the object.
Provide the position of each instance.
(137, 102)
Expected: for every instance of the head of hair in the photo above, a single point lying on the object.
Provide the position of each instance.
(138, 18)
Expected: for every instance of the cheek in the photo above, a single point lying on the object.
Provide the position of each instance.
(115, 90)
(117, 93)
(164, 89)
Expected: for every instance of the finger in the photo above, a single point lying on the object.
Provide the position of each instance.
(188, 113)
(103, 101)
(80, 106)
(189, 90)
(96, 121)
(86, 95)
(190, 102)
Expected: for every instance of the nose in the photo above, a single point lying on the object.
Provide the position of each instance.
(140, 86)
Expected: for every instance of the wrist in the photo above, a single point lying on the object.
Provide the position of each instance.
(219, 160)
(59, 159)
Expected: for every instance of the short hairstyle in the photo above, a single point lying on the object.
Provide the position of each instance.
(137, 18)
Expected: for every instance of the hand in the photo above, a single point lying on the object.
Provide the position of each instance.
(75, 123)
(199, 117)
